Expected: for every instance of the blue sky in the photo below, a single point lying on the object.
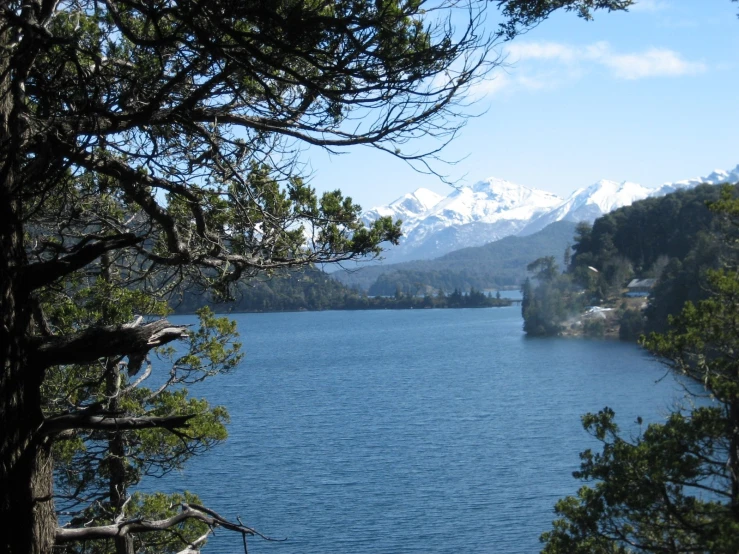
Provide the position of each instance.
(646, 96)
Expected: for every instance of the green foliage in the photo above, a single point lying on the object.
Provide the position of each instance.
(550, 300)
(631, 326)
(674, 487)
(703, 340)
(594, 328)
(545, 269)
(665, 491)
(671, 238)
(86, 463)
(522, 12)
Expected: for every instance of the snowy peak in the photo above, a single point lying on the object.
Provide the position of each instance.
(485, 202)
(418, 201)
(610, 195)
(486, 211)
(604, 196)
(495, 208)
(716, 177)
(587, 204)
(506, 194)
(406, 207)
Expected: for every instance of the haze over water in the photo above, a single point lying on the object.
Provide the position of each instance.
(409, 431)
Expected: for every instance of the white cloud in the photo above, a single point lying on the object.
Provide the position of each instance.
(541, 65)
(655, 62)
(541, 51)
(488, 87)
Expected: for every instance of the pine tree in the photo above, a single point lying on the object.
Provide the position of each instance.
(675, 487)
(163, 134)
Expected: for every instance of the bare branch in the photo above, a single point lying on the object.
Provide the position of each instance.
(98, 342)
(133, 526)
(191, 548)
(43, 273)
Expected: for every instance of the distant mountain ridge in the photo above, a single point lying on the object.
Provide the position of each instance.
(489, 210)
(495, 265)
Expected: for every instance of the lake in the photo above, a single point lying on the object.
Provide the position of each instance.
(408, 431)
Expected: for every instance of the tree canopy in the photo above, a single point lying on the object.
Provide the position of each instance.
(671, 239)
(674, 487)
(157, 142)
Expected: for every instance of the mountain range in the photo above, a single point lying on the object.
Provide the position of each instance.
(496, 265)
(490, 210)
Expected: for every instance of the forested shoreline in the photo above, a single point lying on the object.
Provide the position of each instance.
(671, 486)
(313, 290)
(670, 242)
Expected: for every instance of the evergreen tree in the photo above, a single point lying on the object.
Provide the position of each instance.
(675, 487)
(547, 304)
(186, 115)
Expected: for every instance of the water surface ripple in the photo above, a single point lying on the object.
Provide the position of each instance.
(408, 431)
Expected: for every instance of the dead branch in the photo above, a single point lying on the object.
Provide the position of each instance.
(108, 341)
(138, 525)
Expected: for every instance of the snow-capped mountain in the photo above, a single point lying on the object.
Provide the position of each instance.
(494, 208)
(489, 210)
(716, 177)
(407, 207)
(588, 204)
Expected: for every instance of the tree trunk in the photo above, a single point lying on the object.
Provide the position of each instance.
(25, 462)
(116, 442)
(117, 457)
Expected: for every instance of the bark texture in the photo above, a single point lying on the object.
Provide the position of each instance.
(25, 463)
(117, 456)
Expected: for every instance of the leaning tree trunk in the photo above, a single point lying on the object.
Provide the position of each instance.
(25, 464)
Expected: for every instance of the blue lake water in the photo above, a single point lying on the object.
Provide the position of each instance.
(408, 431)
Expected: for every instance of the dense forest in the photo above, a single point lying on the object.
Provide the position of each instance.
(673, 485)
(671, 239)
(496, 265)
(311, 289)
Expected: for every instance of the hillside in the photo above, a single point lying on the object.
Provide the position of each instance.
(499, 264)
(668, 243)
(434, 225)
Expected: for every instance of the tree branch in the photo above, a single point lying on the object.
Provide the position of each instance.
(43, 273)
(139, 525)
(99, 342)
(192, 547)
(60, 423)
